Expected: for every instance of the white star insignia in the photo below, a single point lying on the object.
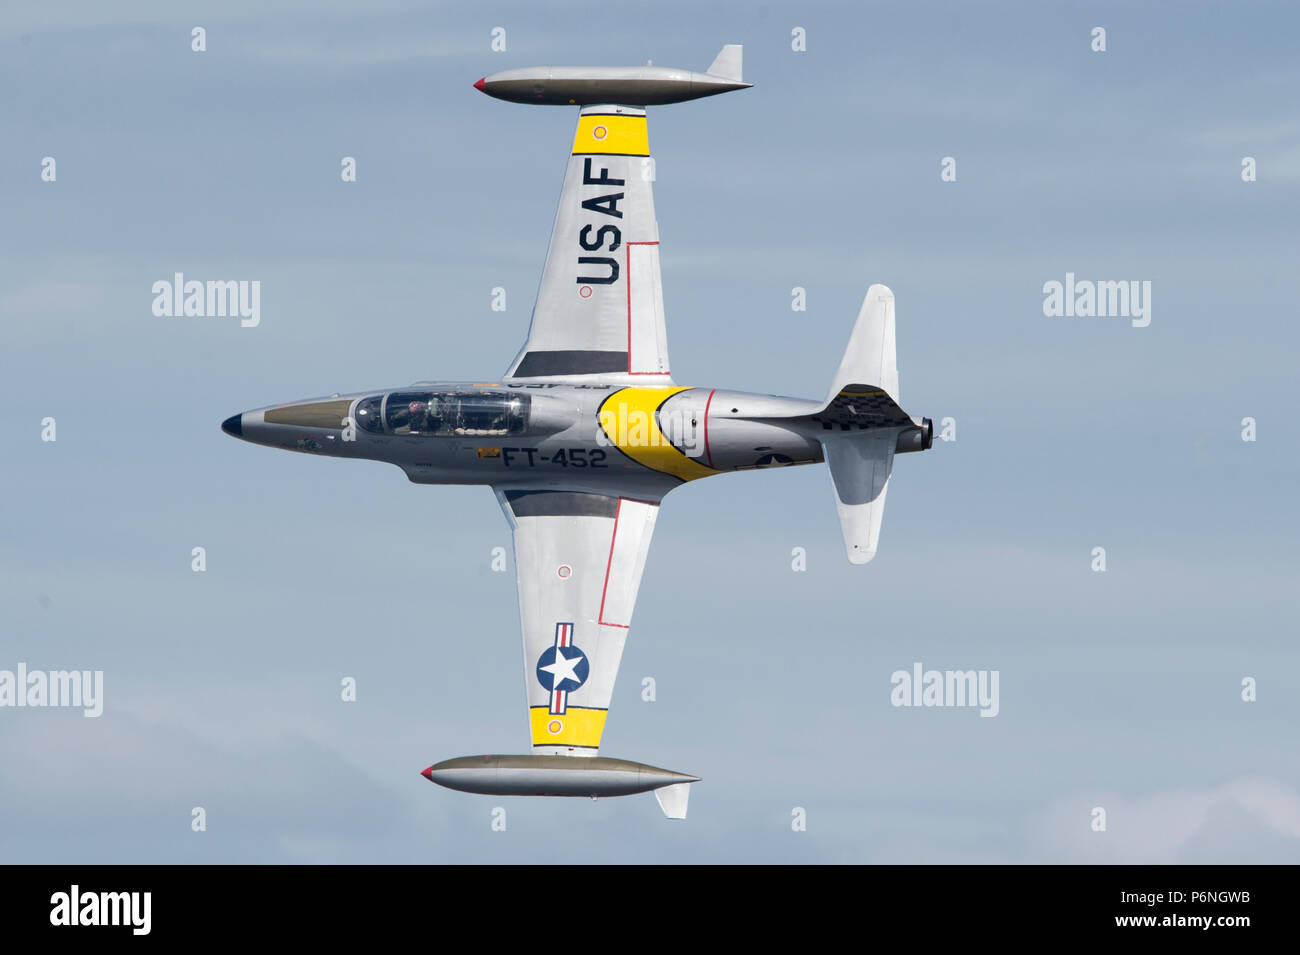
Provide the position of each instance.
(563, 668)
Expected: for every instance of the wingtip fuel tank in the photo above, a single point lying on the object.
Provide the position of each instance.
(624, 85)
(592, 776)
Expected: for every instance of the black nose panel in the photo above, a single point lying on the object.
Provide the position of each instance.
(234, 425)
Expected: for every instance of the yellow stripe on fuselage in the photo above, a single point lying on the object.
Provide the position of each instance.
(628, 418)
(611, 135)
(577, 727)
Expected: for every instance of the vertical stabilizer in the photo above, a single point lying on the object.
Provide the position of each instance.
(673, 799)
(727, 64)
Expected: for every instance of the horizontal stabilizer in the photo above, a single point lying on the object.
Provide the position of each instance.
(871, 357)
(860, 467)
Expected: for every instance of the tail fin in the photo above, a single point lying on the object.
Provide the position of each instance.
(872, 357)
(863, 425)
(860, 468)
(727, 64)
(673, 799)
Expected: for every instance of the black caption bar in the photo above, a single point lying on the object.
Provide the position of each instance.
(133, 904)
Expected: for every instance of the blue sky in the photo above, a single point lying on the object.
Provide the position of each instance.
(1119, 690)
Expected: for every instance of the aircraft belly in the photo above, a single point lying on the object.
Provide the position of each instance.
(740, 445)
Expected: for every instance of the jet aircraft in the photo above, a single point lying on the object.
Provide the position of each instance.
(587, 432)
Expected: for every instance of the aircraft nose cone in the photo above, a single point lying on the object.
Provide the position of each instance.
(234, 426)
(480, 84)
(427, 773)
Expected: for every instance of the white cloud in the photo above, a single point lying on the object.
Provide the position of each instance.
(1162, 826)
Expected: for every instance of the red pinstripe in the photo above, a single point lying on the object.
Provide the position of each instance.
(600, 617)
(707, 452)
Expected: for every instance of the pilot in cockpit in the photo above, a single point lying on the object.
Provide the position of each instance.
(419, 417)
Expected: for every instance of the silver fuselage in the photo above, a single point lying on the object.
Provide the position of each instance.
(625, 439)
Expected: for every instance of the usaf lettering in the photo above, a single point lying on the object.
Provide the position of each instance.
(608, 206)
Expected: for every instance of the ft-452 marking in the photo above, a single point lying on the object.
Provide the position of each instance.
(563, 458)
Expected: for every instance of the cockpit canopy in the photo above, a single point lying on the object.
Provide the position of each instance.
(444, 413)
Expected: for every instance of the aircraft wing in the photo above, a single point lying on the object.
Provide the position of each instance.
(578, 561)
(599, 309)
